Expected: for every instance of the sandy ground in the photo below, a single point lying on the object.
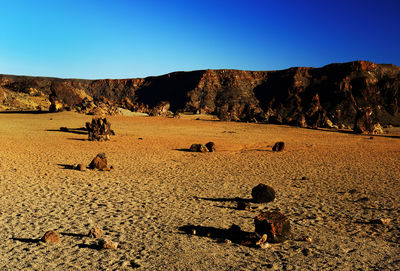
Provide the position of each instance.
(156, 188)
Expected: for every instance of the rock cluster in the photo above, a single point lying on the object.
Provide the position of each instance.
(208, 147)
(99, 129)
(364, 124)
(99, 107)
(161, 109)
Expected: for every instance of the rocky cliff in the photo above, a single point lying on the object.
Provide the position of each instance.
(316, 97)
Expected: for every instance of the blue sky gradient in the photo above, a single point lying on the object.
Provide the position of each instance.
(128, 39)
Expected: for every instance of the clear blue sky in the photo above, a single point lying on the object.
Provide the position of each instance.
(128, 39)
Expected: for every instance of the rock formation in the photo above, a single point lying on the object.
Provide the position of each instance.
(99, 129)
(308, 97)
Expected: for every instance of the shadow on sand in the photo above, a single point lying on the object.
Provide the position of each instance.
(26, 112)
(237, 199)
(27, 240)
(79, 131)
(234, 234)
(79, 235)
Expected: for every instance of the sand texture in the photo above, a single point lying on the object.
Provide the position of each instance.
(157, 188)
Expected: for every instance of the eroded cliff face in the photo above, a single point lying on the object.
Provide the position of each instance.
(316, 97)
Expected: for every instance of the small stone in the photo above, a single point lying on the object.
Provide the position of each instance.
(227, 241)
(194, 232)
(262, 240)
(352, 191)
(308, 239)
(382, 221)
(210, 146)
(107, 244)
(96, 233)
(263, 193)
(279, 146)
(304, 178)
(51, 237)
(265, 245)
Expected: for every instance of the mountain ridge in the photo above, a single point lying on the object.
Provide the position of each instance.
(302, 96)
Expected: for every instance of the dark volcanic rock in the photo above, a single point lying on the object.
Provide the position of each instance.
(99, 129)
(364, 124)
(315, 97)
(210, 146)
(263, 193)
(274, 224)
(278, 146)
(198, 148)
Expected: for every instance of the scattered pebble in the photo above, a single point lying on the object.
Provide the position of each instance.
(307, 239)
(352, 191)
(107, 244)
(262, 240)
(96, 233)
(51, 237)
(265, 245)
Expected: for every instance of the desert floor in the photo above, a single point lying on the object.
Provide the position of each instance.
(157, 188)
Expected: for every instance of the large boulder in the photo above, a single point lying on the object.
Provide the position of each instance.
(263, 193)
(274, 224)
